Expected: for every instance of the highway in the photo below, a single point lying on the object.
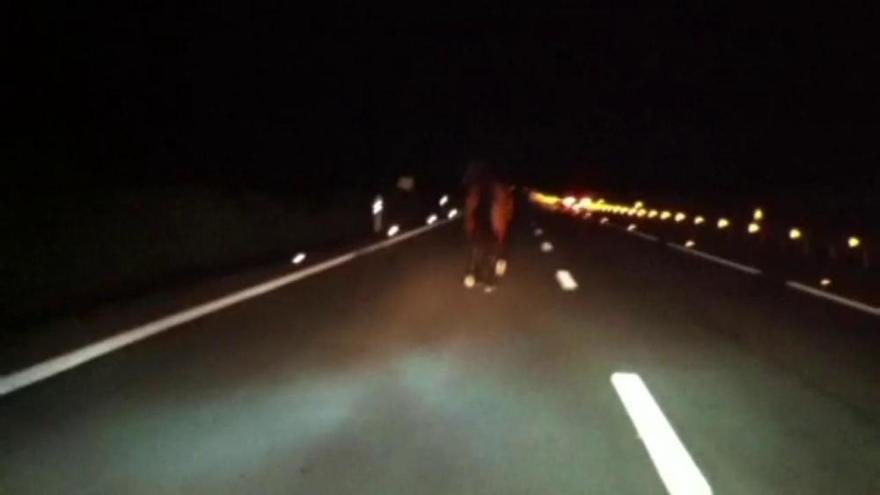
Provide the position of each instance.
(385, 375)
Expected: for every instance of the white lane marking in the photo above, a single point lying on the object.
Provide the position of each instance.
(539, 232)
(834, 298)
(647, 237)
(299, 258)
(721, 261)
(677, 469)
(566, 281)
(46, 369)
(546, 247)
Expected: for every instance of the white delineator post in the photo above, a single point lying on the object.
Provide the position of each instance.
(378, 206)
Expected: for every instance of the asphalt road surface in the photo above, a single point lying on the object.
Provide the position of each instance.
(385, 375)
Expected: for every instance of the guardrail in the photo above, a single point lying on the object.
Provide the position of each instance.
(788, 250)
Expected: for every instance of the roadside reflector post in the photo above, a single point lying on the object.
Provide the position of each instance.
(832, 252)
(854, 242)
(758, 215)
(797, 236)
(378, 207)
(406, 183)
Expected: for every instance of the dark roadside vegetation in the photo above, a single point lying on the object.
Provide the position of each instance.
(69, 250)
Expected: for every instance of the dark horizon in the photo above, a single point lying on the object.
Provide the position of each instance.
(647, 101)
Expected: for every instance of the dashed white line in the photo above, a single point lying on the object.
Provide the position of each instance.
(834, 298)
(674, 464)
(46, 369)
(710, 257)
(566, 281)
(546, 247)
(539, 232)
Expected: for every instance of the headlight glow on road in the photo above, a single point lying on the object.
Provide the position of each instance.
(393, 230)
(676, 467)
(604, 220)
(546, 247)
(299, 258)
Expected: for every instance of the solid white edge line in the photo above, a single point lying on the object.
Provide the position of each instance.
(46, 369)
(730, 264)
(566, 281)
(676, 467)
(643, 235)
(872, 310)
(834, 298)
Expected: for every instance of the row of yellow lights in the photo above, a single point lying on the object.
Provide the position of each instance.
(638, 210)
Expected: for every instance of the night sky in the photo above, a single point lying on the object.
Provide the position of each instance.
(700, 100)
